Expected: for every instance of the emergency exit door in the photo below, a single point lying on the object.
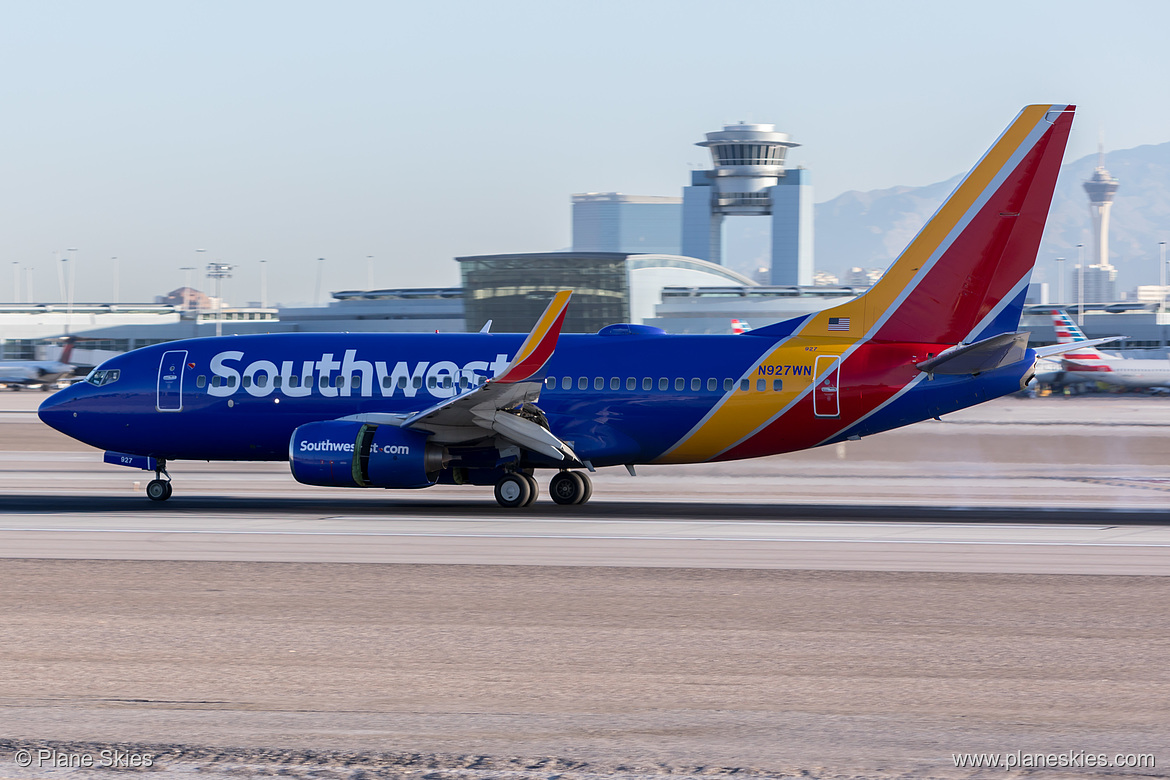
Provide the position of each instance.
(826, 394)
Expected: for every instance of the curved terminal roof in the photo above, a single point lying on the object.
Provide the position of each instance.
(638, 262)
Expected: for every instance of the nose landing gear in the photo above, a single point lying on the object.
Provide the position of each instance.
(159, 489)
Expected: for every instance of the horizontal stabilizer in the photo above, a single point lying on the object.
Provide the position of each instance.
(985, 355)
(1060, 349)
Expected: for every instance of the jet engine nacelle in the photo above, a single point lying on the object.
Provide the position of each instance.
(352, 454)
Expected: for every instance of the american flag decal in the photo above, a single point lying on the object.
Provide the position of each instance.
(838, 323)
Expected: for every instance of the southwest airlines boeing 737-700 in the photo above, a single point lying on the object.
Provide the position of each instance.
(937, 333)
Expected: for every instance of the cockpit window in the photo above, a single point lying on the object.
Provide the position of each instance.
(101, 377)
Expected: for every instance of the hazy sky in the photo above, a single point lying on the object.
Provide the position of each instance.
(416, 132)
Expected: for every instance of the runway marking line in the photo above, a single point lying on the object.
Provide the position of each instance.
(590, 537)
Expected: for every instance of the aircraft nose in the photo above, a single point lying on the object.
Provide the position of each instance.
(59, 409)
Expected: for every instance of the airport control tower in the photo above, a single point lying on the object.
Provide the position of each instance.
(1100, 274)
(749, 178)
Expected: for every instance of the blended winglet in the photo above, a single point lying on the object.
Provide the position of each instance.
(538, 347)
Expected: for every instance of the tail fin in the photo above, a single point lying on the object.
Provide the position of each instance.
(1066, 330)
(965, 275)
(1068, 333)
(67, 351)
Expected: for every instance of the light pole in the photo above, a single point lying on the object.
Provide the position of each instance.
(1162, 269)
(72, 287)
(1081, 286)
(60, 275)
(1060, 280)
(219, 272)
(263, 284)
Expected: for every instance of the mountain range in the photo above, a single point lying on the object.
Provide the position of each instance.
(869, 229)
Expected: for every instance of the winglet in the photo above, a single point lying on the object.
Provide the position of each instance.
(538, 347)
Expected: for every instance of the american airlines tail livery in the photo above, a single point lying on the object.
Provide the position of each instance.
(937, 333)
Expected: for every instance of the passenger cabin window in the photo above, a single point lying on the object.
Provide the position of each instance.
(631, 384)
(583, 383)
(663, 383)
(761, 385)
(247, 381)
(777, 384)
(387, 381)
(216, 380)
(615, 383)
(401, 382)
(567, 383)
(745, 385)
(201, 382)
(680, 383)
(417, 382)
(712, 384)
(728, 384)
(695, 383)
(598, 383)
(647, 383)
(551, 383)
(262, 380)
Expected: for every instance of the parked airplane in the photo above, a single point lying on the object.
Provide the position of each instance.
(22, 373)
(1087, 364)
(937, 333)
(739, 326)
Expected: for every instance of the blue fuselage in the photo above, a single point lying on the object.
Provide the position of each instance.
(616, 399)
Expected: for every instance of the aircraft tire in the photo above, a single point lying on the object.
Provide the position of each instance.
(513, 491)
(586, 487)
(566, 488)
(158, 490)
(535, 486)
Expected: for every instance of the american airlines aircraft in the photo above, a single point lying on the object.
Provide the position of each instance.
(22, 373)
(937, 333)
(1088, 364)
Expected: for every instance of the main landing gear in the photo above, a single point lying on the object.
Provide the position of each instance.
(519, 489)
(159, 489)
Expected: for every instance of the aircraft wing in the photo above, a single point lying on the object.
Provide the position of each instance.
(495, 406)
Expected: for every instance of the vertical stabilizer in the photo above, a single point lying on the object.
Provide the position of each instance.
(965, 275)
